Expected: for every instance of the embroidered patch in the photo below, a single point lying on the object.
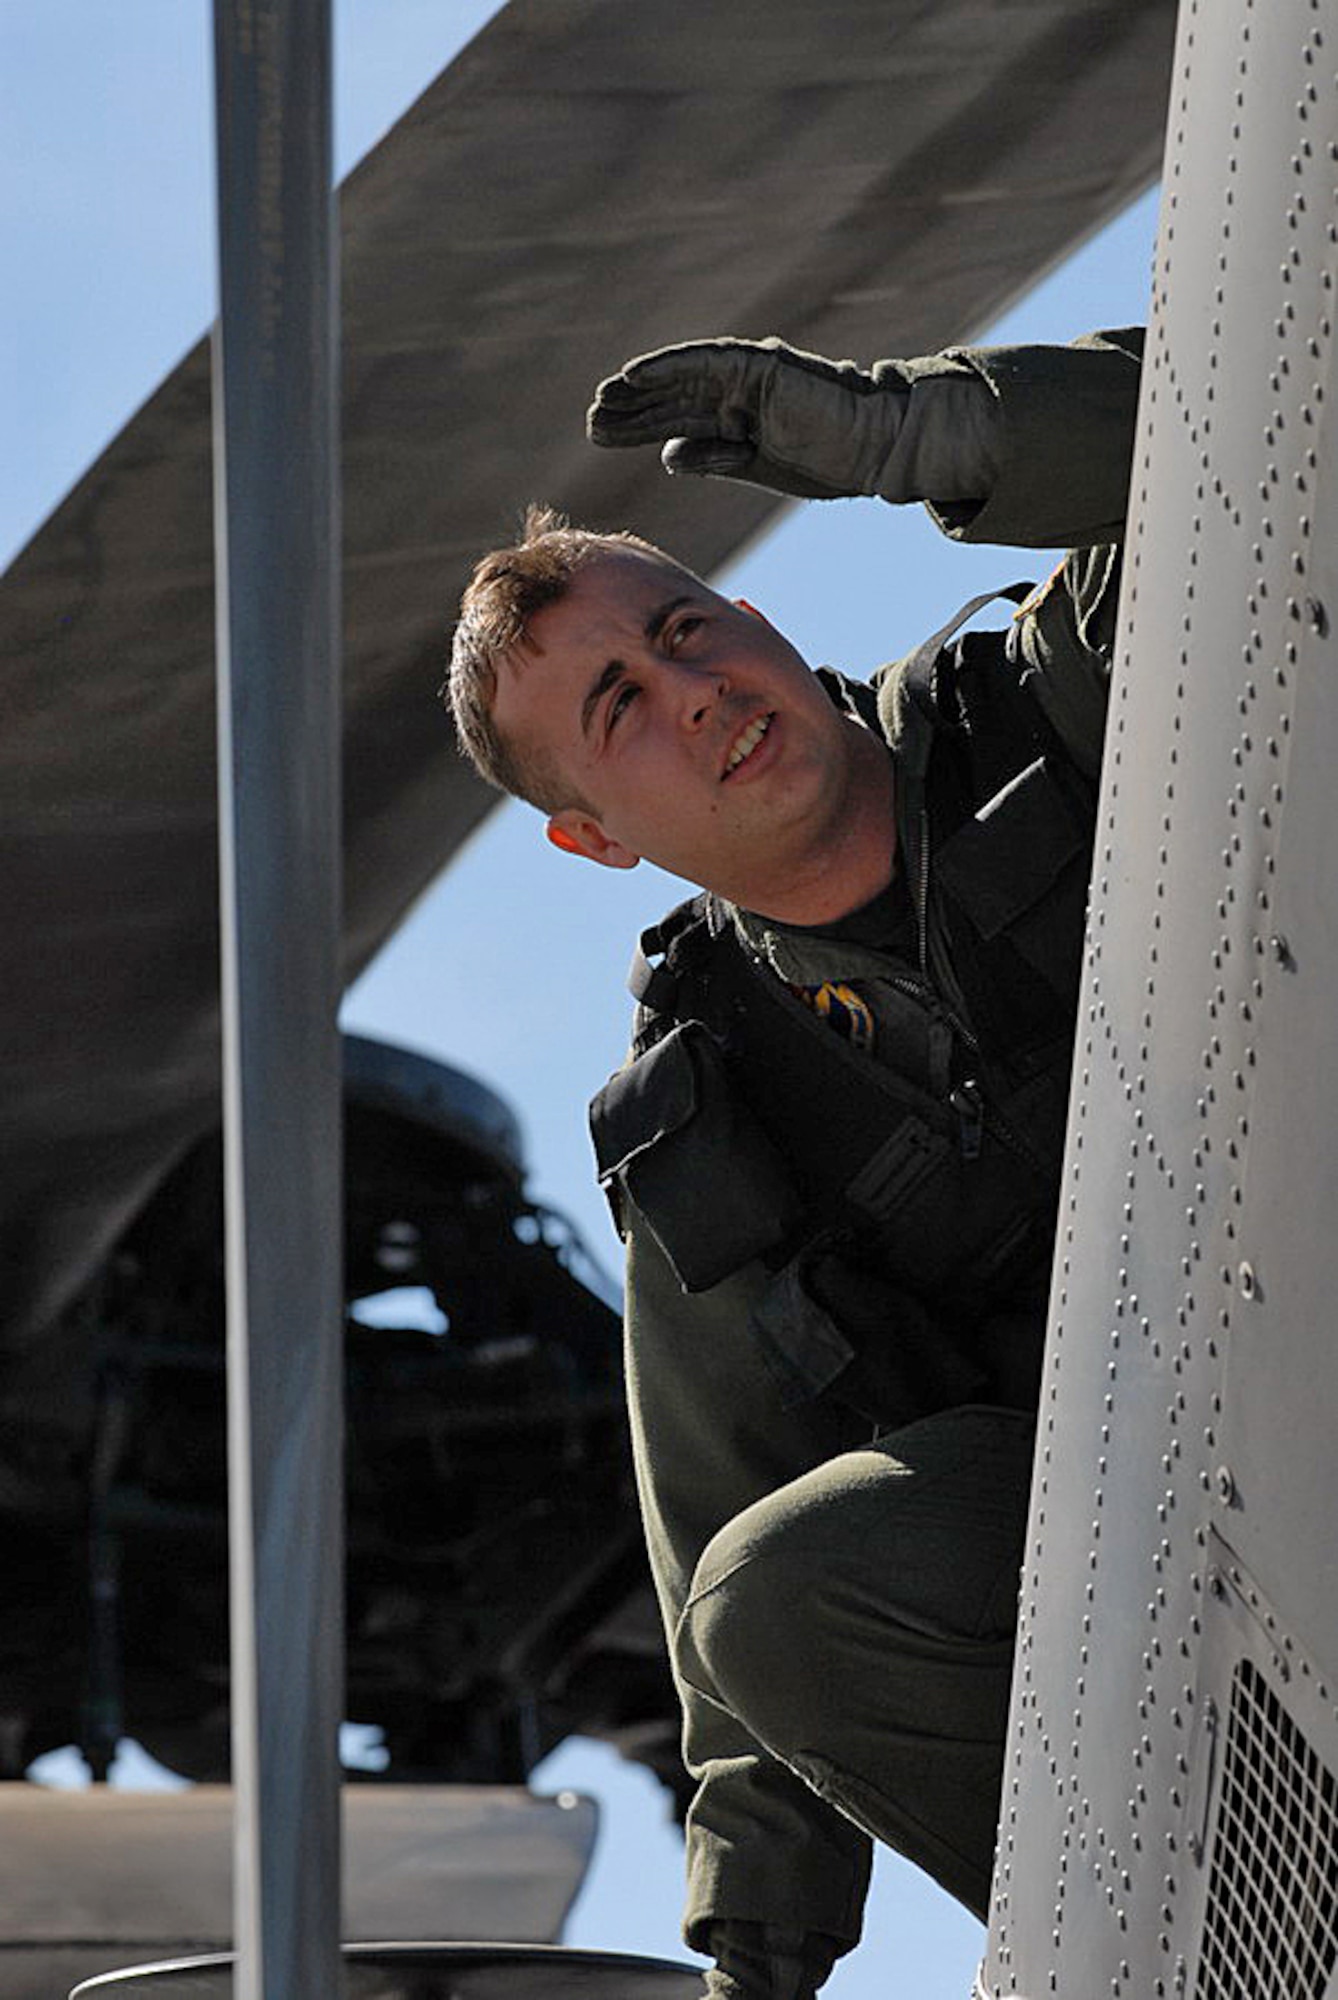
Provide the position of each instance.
(842, 1008)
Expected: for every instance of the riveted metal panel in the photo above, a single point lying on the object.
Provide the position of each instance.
(1180, 1593)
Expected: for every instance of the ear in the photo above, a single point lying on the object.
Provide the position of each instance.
(576, 832)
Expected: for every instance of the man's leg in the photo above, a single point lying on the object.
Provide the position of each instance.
(860, 1623)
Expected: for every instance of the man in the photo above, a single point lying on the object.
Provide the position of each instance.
(835, 1152)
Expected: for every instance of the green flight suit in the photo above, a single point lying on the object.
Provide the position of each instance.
(840, 1605)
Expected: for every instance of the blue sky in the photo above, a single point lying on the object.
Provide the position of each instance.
(512, 965)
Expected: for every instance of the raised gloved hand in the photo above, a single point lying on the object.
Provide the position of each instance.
(766, 1962)
(758, 410)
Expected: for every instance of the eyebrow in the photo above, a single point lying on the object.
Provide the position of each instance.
(614, 671)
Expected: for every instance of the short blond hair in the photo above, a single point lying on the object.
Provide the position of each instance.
(509, 587)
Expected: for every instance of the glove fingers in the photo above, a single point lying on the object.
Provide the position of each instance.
(700, 389)
(648, 375)
(760, 411)
(649, 392)
(695, 365)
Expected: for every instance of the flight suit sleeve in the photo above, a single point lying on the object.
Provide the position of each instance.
(1061, 446)
(710, 1435)
(1063, 641)
(1061, 439)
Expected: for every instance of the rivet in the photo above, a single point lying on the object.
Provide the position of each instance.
(1318, 616)
(1248, 1281)
(1282, 952)
(1226, 1486)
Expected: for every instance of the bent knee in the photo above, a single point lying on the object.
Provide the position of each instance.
(752, 1615)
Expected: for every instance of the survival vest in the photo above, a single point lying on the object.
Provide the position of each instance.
(745, 1128)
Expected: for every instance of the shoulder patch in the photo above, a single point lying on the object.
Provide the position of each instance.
(842, 1008)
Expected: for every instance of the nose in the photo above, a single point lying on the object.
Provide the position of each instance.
(701, 689)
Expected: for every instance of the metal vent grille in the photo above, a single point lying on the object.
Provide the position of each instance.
(1271, 1925)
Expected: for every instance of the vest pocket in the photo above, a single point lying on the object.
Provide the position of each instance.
(1019, 869)
(671, 1133)
(835, 1319)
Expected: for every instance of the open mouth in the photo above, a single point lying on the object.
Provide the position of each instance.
(746, 742)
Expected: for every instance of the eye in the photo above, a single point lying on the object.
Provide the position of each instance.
(682, 629)
(622, 701)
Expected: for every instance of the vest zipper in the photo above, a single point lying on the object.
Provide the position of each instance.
(974, 1115)
(967, 1102)
(922, 902)
(947, 983)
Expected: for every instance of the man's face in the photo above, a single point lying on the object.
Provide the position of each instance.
(697, 734)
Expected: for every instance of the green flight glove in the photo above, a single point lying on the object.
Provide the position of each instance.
(758, 410)
(765, 1962)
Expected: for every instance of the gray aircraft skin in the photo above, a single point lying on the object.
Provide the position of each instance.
(1170, 1815)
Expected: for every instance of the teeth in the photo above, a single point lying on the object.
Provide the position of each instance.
(748, 742)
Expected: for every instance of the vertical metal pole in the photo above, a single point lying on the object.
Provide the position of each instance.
(278, 655)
